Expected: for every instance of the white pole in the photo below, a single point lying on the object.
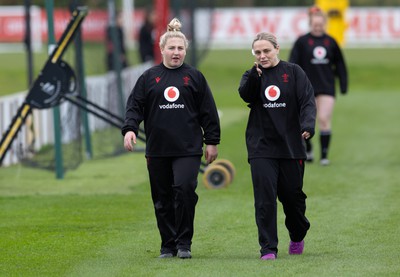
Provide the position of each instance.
(128, 9)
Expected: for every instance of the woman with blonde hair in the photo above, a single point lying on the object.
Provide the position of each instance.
(282, 115)
(179, 113)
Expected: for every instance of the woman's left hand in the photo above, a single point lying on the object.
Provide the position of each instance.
(306, 135)
(211, 153)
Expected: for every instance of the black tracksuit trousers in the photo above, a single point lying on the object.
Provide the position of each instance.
(282, 178)
(173, 182)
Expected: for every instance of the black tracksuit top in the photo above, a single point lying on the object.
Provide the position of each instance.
(178, 110)
(282, 106)
(322, 60)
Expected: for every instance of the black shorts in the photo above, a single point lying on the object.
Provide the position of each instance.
(316, 93)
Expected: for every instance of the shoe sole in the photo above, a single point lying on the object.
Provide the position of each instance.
(270, 257)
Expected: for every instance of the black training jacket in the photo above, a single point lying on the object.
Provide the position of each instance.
(282, 106)
(322, 60)
(178, 111)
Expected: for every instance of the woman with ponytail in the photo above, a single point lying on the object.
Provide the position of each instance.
(180, 118)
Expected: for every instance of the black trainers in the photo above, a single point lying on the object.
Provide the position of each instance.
(184, 254)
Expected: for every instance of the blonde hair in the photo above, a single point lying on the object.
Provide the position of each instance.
(173, 31)
(266, 36)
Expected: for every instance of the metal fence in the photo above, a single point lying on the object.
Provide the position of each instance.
(100, 90)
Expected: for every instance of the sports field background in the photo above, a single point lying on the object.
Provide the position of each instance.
(99, 220)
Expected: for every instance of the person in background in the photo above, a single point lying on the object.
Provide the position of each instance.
(282, 115)
(146, 40)
(179, 113)
(121, 45)
(321, 58)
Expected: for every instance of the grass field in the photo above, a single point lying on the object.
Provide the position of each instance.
(99, 220)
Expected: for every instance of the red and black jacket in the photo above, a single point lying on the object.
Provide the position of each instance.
(178, 111)
(282, 106)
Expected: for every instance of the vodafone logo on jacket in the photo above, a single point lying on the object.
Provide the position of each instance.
(171, 94)
(319, 54)
(272, 93)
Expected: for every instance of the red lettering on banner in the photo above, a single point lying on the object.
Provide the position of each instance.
(365, 25)
(236, 25)
(374, 23)
(215, 22)
(94, 26)
(354, 23)
(12, 28)
(265, 24)
(392, 28)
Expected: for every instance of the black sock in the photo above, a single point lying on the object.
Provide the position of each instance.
(325, 137)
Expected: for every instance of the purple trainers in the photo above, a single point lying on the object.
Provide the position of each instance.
(296, 248)
(270, 256)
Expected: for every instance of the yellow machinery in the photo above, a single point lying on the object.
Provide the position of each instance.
(336, 12)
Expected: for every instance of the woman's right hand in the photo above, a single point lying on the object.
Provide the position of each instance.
(129, 137)
(258, 69)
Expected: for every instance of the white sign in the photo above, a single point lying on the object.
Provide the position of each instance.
(236, 27)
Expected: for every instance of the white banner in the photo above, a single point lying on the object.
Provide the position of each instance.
(373, 26)
(236, 27)
(222, 27)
